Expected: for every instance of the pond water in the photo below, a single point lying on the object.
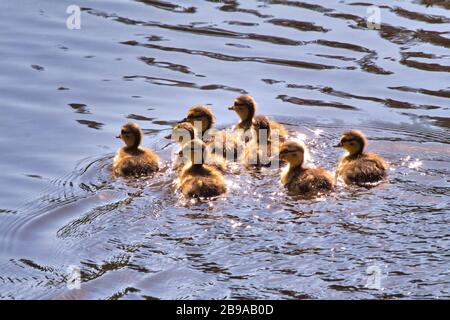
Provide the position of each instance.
(315, 66)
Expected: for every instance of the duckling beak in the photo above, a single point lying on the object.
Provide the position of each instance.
(119, 136)
(232, 108)
(339, 145)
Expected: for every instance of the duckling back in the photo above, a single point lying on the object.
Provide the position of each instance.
(309, 180)
(362, 169)
(202, 181)
(140, 162)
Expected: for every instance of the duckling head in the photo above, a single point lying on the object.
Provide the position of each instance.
(194, 150)
(183, 132)
(293, 153)
(201, 114)
(245, 107)
(131, 134)
(354, 141)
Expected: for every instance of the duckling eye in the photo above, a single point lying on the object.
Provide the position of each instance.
(350, 141)
(347, 140)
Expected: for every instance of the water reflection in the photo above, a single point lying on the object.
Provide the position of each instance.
(313, 66)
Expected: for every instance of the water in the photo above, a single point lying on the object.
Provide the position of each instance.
(312, 65)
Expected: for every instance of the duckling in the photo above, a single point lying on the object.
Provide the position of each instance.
(359, 167)
(184, 132)
(133, 160)
(219, 141)
(245, 107)
(258, 151)
(298, 179)
(198, 179)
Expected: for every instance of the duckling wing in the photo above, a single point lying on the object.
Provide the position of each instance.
(151, 160)
(138, 166)
(278, 129)
(312, 180)
(319, 179)
(212, 186)
(143, 162)
(367, 169)
(377, 160)
(204, 187)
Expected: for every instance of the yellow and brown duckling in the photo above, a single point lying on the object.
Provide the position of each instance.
(199, 180)
(299, 179)
(245, 107)
(219, 141)
(133, 160)
(258, 151)
(359, 167)
(184, 132)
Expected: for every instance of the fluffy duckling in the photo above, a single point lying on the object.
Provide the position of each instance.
(359, 167)
(245, 107)
(219, 141)
(259, 150)
(184, 132)
(298, 179)
(198, 179)
(133, 160)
